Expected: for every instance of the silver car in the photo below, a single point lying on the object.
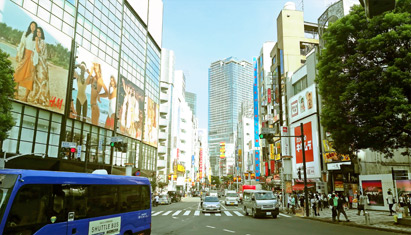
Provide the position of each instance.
(211, 204)
(164, 199)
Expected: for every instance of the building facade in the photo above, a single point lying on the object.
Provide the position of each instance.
(191, 99)
(98, 79)
(229, 82)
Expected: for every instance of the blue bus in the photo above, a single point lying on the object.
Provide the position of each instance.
(46, 202)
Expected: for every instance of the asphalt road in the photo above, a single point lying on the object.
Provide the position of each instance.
(185, 218)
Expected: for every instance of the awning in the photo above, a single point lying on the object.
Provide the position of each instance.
(300, 187)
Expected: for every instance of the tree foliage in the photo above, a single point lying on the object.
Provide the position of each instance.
(7, 90)
(365, 81)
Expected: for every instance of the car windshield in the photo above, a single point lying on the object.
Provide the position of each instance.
(231, 195)
(264, 196)
(6, 186)
(211, 199)
(163, 196)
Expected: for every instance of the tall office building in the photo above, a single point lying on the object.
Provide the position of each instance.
(100, 78)
(230, 82)
(191, 99)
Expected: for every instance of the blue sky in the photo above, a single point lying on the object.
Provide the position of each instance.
(203, 31)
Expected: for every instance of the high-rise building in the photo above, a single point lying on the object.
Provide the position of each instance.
(191, 99)
(100, 79)
(230, 81)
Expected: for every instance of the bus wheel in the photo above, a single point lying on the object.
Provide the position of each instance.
(245, 211)
(128, 233)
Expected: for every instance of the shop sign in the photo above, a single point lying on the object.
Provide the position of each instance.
(338, 185)
(336, 166)
(181, 168)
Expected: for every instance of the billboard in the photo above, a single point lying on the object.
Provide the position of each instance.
(330, 155)
(373, 189)
(222, 150)
(130, 109)
(256, 122)
(94, 94)
(303, 104)
(311, 145)
(151, 122)
(40, 57)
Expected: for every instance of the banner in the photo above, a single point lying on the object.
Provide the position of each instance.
(130, 109)
(151, 122)
(256, 122)
(94, 90)
(308, 143)
(373, 189)
(40, 56)
(222, 150)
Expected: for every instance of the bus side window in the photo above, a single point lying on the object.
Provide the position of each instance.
(28, 212)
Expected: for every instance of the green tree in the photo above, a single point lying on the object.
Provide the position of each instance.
(364, 77)
(7, 91)
(215, 180)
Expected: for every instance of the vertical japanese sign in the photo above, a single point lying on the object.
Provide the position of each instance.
(308, 143)
(201, 163)
(222, 150)
(285, 142)
(256, 132)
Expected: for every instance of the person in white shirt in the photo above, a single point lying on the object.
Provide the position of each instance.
(390, 201)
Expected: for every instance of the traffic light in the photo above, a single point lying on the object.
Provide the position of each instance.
(120, 146)
(267, 136)
(169, 177)
(67, 152)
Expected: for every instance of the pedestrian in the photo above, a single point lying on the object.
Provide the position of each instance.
(401, 200)
(325, 200)
(302, 203)
(333, 204)
(361, 203)
(292, 204)
(288, 203)
(340, 208)
(390, 201)
(408, 200)
(156, 198)
(314, 204)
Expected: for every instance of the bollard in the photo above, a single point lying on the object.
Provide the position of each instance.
(367, 218)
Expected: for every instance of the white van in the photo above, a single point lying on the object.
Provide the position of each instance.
(231, 198)
(260, 203)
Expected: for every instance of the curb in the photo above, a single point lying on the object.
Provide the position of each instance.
(353, 224)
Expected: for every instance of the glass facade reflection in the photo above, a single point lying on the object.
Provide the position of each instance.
(114, 34)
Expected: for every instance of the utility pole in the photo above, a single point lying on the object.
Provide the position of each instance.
(307, 213)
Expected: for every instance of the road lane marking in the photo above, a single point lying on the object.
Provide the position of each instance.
(210, 226)
(226, 230)
(223, 206)
(168, 212)
(196, 213)
(152, 212)
(238, 213)
(157, 213)
(228, 213)
(218, 214)
(177, 212)
(207, 214)
(187, 213)
(285, 215)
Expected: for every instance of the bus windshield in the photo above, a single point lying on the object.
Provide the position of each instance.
(6, 187)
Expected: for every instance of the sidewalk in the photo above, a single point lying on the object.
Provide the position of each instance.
(380, 220)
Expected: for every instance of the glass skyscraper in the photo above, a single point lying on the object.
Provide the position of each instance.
(191, 99)
(230, 81)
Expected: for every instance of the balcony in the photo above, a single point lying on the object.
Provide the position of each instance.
(163, 122)
(164, 96)
(162, 135)
(164, 108)
(161, 164)
(161, 149)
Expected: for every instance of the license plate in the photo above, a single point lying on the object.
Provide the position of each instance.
(232, 203)
(268, 213)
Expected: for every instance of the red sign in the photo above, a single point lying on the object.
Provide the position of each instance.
(272, 167)
(269, 95)
(266, 169)
(308, 144)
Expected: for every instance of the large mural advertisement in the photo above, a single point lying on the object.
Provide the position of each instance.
(40, 57)
(130, 109)
(151, 122)
(94, 90)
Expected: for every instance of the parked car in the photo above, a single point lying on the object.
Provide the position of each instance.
(164, 199)
(260, 203)
(211, 204)
(231, 198)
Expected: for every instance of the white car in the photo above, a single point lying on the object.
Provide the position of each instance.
(231, 199)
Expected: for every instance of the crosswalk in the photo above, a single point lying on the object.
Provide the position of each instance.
(198, 213)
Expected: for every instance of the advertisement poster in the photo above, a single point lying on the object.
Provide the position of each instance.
(130, 109)
(330, 155)
(151, 124)
(303, 104)
(94, 90)
(373, 189)
(311, 146)
(403, 186)
(40, 57)
(222, 150)
(338, 186)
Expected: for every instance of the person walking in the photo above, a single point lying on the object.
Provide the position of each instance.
(333, 204)
(156, 198)
(340, 208)
(314, 203)
(292, 204)
(390, 201)
(361, 203)
(408, 201)
(302, 203)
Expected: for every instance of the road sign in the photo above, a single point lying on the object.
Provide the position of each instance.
(65, 144)
(100, 145)
(268, 130)
(78, 151)
(117, 139)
